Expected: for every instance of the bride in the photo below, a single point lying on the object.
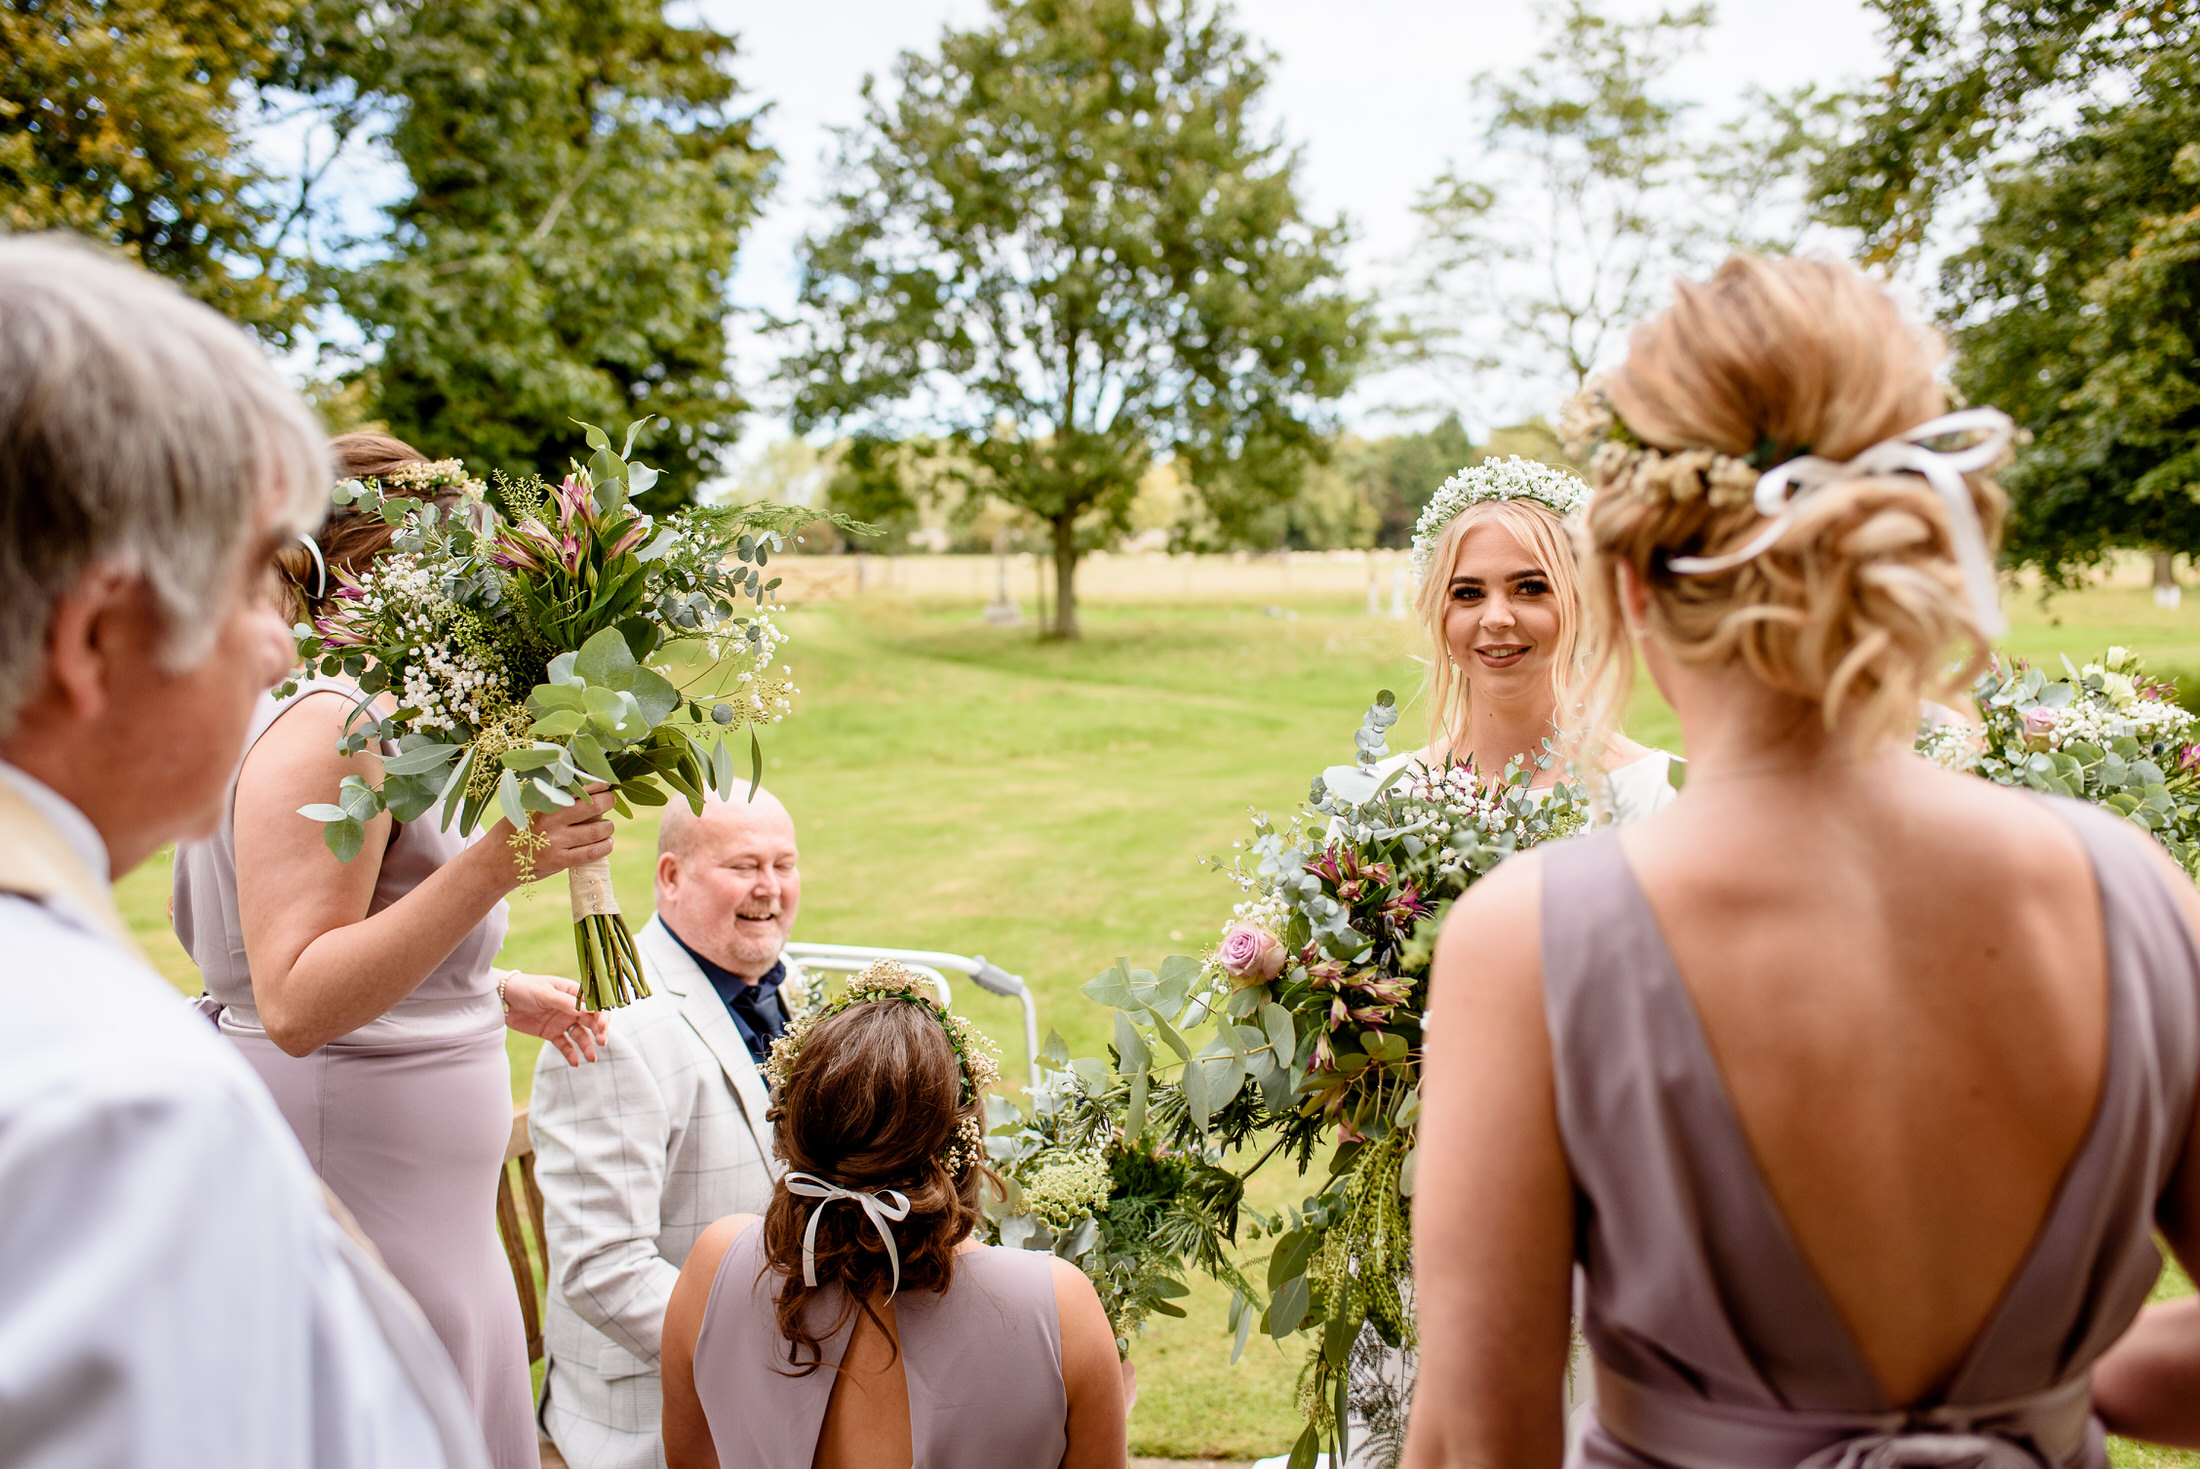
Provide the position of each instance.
(1500, 603)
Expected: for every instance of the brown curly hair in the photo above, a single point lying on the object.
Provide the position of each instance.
(873, 1101)
(349, 540)
(1855, 607)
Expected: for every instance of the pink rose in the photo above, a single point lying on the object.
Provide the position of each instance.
(1250, 954)
(2040, 721)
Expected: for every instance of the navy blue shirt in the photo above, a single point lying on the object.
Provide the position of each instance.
(757, 1011)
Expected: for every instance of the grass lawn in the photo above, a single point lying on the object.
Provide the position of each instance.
(965, 787)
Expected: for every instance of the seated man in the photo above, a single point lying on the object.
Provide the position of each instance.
(638, 1154)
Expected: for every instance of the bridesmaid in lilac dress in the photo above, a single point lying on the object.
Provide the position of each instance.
(858, 1325)
(363, 995)
(1855, 1087)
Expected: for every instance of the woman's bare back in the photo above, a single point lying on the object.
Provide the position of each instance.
(1902, 977)
(867, 1417)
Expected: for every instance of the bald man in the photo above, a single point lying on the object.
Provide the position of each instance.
(666, 1132)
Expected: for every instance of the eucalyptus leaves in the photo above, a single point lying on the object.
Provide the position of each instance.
(534, 655)
(1302, 1030)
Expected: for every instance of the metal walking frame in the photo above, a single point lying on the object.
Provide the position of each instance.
(934, 965)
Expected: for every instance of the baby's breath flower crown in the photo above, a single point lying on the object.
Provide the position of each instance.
(1591, 430)
(426, 480)
(1510, 478)
(976, 1057)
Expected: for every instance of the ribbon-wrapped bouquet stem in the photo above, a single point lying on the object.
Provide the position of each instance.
(570, 642)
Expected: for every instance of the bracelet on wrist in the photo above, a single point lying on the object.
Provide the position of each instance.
(504, 977)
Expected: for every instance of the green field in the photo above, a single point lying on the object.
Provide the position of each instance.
(964, 787)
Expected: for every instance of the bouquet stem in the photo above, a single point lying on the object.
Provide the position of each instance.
(611, 972)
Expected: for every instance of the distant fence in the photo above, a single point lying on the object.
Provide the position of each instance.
(1382, 579)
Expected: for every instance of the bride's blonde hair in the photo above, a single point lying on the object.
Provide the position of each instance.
(1855, 606)
(1444, 687)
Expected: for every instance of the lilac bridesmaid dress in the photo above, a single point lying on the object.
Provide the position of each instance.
(983, 1360)
(406, 1118)
(1716, 1347)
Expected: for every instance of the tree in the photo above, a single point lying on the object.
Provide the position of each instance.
(2073, 306)
(581, 177)
(118, 120)
(1588, 200)
(1064, 246)
(1401, 473)
(1966, 82)
(2077, 311)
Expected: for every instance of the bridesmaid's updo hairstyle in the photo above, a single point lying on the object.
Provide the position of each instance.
(872, 1096)
(1855, 606)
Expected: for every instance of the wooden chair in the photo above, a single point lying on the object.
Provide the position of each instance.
(520, 1150)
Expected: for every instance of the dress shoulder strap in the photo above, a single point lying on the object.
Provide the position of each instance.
(760, 1415)
(984, 1365)
(2095, 1260)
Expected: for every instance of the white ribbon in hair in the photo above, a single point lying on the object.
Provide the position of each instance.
(1780, 487)
(877, 1207)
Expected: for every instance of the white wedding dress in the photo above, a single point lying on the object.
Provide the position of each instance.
(1380, 1394)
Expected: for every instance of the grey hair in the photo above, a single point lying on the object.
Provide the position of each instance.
(139, 430)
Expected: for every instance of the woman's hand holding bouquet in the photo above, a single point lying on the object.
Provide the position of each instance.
(545, 1005)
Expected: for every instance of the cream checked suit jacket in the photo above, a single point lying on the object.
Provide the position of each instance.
(637, 1153)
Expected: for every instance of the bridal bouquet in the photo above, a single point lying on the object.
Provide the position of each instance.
(2106, 733)
(1302, 1028)
(571, 642)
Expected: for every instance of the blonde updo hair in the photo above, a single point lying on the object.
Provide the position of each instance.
(1856, 606)
(1445, 688)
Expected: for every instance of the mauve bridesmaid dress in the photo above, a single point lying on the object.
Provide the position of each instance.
(1716, 1348)
(406, 1118)
(983, 1360)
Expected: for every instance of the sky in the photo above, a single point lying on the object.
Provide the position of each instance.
(1376, 94)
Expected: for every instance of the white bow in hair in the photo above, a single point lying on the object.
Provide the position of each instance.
(1779, 487)
(877, 1207)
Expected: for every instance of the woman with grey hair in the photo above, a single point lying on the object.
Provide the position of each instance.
(362, 991)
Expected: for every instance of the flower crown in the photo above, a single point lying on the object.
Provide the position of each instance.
(1590, 429)
(417, 481)
(976, 1057)
(1510, 478)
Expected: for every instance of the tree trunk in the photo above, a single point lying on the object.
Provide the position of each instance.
(1065, 577)
(2166, 591)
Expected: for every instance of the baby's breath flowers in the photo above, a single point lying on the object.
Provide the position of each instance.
(1510, 478)
(978, 1059)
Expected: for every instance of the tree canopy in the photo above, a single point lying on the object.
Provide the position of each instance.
(1966, 82)
(582, 172)
(1585, 202)
(118, 121)
(1065, 244)
(2078, 312)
